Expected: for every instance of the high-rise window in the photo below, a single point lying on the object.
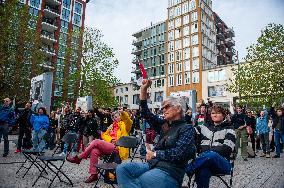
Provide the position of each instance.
(187, 77)
(178, 44)
(192, 5)
(194, 39)
(186, 53)
(195, 51)
(172, 57)
(171, 68)
(195, 77)
(171, 80)
(179, 79)
(65, 14)
(195, 64)
(178, 55)
(67, 3)
(186, 19)
(186, 31)
(178, 22)
(177, 33)
(186, 42)
(194, 28)
(187, 65)
(179, 67)
(78, 8)
(194, 16)
(184, 7)
(77, 19)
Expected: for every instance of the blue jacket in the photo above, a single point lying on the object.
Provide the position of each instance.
(39, 122)
(262, 124)
(7, 115)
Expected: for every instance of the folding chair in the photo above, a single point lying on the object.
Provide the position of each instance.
(32, 157)
(48, 161)
(130, 142)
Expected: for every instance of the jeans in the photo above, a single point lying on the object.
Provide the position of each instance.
(39, 139)
(242, 141)
(264, 137)
(96, 149)
(207, 164)
(73, 147)
(4, 131)
(277, 137)
(138, 175)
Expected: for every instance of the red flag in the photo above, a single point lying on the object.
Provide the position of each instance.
(142, 70)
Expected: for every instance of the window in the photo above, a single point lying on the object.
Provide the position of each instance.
(172, 57)
(78, 8)
(178, 44)
(171, 13)
(187, 77)
(186, 42)
(121, 90)
(195, 64)
(178, 22)
(192, 5)
(194, 28)
(66, 3)
(77, 19)
(194, 39)
(126, 88)
(179, 79)
(171, 35)
(184, 7)
(195, 77)
(186, 19)
(178, 55)
(65, 14)
(216, 91)
(186, 53)
(116, 91)
(171, 68)
(35, 3)
(177, 33)
(171, 25)
(33, 11)
(195, 51)
(187, 65)
(171, 80)
(186, 31)
(171, 46)
(179, 67)
(136, 99)
(194, 16)
(178, 11)
(159, 96)
(126, 99)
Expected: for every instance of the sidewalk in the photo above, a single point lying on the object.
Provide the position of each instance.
(255, 173)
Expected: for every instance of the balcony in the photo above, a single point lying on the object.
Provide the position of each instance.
(138, 34)
(219, 24)
(49, 25)
(220, 35)
(230, 32)
(136, 51)
(52, 2)
(137, 42)
(50, 12)
(48, 51)
(135, 61)
(47, 37)
(230, 42)
(220, 43)
(47, 66)
(135, 70)
(230, 52)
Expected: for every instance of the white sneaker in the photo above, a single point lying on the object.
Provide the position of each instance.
(62, 154)
(73, 153)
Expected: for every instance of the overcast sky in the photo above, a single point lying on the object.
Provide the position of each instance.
(119, 19)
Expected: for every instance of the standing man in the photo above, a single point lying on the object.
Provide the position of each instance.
(25, 128)
(7, 118)
(239, 123)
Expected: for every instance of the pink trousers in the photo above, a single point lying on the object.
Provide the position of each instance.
(96, 149)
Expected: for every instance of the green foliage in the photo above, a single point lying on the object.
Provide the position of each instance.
(97, 68)
(20, 57)
(260, 80)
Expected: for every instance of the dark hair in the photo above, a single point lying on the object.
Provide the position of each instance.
(43, 109)
(220, 109)
(203, 104)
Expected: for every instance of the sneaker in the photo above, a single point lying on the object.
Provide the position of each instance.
(5, 154)
(73, 154)
(18, 151)
(267, 156)
(63, 154)
(276, 156)
(92, 178)
(262, 155)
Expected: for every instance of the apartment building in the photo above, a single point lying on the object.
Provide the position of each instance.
(150, 50)
(58, 21)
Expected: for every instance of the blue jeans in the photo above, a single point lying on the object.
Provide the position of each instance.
(138, 175)
(39, 139)
(277, 137)
(207, 164)
(66, 145)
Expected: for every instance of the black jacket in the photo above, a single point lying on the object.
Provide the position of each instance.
(238, 120)
(90, 127)
(24, 118)
(276, 119)
(105, 120)
(75, 122)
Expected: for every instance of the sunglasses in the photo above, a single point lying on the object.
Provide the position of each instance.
(167, 106)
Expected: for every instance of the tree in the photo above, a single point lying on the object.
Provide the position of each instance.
(98, 64)
(260, 80)
(20, 57)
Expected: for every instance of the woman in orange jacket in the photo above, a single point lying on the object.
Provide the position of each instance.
(97, 148)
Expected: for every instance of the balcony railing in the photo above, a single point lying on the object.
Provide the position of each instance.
(53, 2)
(230, 32)
(49, 25)
(230, 42)
(51, 12)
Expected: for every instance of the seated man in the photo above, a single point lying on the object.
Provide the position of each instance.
(97, 148)
(217, 141)
(165, 165)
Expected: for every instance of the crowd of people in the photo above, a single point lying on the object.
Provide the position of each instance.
(178, 142)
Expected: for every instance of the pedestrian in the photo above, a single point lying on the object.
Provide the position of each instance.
(251, 122)
(90, 129)
(40, 123)
(239, 122)
(51, 131)
(278, 127)
(25, 129)
(7, 120)
(165, 164)
(262, 130)
(97, 148)
(217, 142)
